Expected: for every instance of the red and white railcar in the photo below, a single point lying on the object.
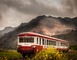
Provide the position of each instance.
(29, 42)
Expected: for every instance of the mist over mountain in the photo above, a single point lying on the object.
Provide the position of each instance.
(6, 30)
(47, 25)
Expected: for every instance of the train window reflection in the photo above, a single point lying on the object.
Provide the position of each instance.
(26, 39)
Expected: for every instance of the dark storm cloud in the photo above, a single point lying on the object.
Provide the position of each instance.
(62, 8)
(71, 8)
(34, 6)
(74, 6)
(17, 10)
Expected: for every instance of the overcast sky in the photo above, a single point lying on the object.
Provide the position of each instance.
(15, 12)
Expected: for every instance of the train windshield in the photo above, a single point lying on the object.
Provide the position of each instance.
(26, 39)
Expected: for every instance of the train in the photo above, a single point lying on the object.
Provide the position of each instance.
(30, 43)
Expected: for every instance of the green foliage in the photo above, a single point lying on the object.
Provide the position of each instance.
(9, 55)
(73, 47)
(72, 55)
(50, 54)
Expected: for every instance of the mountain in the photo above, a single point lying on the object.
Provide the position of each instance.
(6, 30)
(69, 21)
(47, 25)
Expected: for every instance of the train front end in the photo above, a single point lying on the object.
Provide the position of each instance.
(25, 44)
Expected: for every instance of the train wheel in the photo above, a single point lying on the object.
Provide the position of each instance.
(23, 55)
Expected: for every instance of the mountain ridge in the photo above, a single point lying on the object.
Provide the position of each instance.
(46, 25)
(6, 30)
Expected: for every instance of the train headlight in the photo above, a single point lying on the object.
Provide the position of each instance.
(18, 46)
(33, 46)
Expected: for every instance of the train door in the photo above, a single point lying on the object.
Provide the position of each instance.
(57, 44)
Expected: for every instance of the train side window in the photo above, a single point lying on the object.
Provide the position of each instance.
(40, 41)
(43, 42)
(64, 44)
(52, 42)
(47, 42)
(37, 40)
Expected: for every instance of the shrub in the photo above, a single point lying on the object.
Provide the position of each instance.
(49, 54)
(72, 55)
(73, 47)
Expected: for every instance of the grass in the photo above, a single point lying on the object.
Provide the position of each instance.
(10, 55)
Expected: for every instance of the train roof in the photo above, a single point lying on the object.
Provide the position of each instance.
(40, 35)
